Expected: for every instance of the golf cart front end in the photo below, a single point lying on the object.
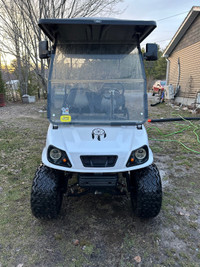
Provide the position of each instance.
(95, 150)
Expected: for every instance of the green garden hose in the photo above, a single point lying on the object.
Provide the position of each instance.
(192, 126)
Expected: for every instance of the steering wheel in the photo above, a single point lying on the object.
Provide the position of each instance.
(109, 89)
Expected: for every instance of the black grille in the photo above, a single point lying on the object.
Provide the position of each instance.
(98, 161)
(97, 180)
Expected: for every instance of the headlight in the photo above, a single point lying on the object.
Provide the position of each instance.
(138, 156)
(58, 157)
(55, 154)
(140, 153)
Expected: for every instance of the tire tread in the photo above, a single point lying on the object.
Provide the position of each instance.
(46, 196)
(146, 197)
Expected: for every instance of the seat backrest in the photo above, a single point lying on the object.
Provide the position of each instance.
(77, 98)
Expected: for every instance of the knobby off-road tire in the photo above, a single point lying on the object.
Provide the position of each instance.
(46, 193)
(146, 191)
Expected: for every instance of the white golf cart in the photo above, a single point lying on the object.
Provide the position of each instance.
(97, 105)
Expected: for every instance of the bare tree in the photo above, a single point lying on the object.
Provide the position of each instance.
(20, 33)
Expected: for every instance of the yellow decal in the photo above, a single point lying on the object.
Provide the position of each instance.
(65, 118)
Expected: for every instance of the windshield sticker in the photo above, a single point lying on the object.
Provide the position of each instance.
(65, 111)
(65, 118)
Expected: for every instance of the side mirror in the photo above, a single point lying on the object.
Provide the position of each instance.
(43, 50)
(151, 52)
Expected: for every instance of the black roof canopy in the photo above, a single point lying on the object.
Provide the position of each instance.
(96, 30)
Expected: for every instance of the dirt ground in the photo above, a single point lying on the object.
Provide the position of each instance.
(99, 230)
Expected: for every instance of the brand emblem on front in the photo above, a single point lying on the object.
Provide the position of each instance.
(98, 133)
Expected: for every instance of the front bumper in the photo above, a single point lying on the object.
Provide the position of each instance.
(78, 166)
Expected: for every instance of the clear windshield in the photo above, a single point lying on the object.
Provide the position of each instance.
(95, 86)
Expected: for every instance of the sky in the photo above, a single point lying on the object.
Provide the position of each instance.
(168, 14)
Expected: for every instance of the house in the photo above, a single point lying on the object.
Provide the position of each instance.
(183, 60)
